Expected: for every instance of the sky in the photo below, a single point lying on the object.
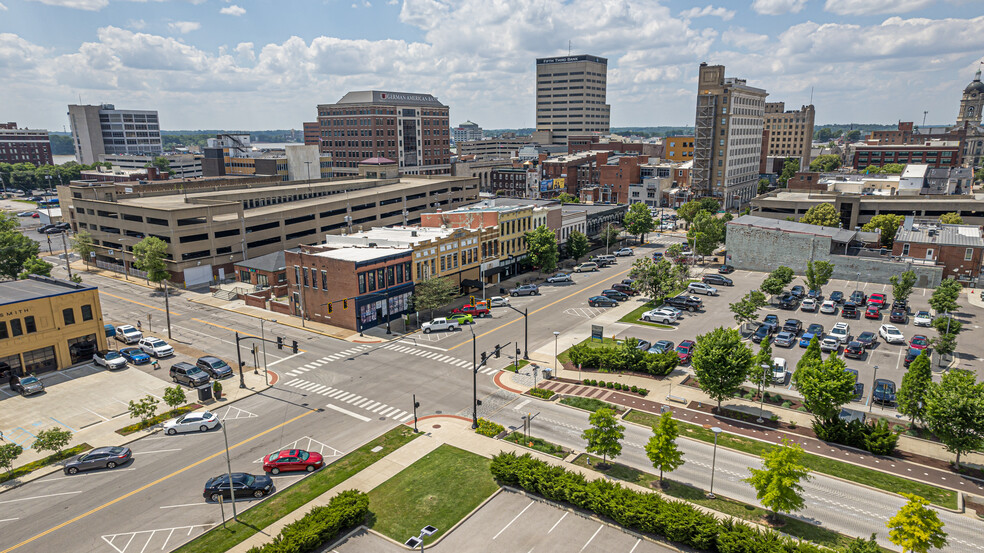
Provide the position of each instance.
(243, 64)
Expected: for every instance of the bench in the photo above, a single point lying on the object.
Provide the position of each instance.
(678, 399)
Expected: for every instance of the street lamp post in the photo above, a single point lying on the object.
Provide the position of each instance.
(526, 330)
(232, 489)
(266, 375)
(874, 378)
(556, 335)
(857, 283)
(474, 378)
(762, 396)
(716, 430)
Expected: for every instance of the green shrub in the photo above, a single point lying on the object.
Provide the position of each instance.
(635, 389)
(787, 404)
(876, 436)
(541, 393)
(774, 418)
(801, 409)
(624, 357)
(610, 385)
(766, 396)
(643, 391)
(601, 383)
(776, 399)
(320, 525)
(489, 428)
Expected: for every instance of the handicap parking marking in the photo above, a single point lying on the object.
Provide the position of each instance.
(308, 443)
(233, 413)
(583, 312)
(140, 540)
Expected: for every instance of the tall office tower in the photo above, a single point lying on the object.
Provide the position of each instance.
(571, 96)
(411, 129)
(790, 132)
(728, 137)
(98, 130)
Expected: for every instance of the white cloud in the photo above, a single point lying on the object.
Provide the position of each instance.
(90, 5)
(184, 27)
(870, 7)
(745, 40)
(394, 2)
(232, 10)
(723, 13)
(136, 24)
(778, 7)
(2, 7)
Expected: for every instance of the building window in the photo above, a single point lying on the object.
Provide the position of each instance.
(390, 276)
(297, 275)
(362, 283)
(69, 315)
(969, 254)
(442, 263)
(381, 278)
(15, 328)
(324, 280)
(3, 330)
(29, 325)
(40, 360)
(243, 275)
(305, 272)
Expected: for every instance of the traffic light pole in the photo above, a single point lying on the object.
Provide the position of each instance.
(475, 366)
(526, 329)
(239, 358)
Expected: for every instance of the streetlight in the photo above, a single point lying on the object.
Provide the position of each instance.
(232, 489)
(716, 430)
(266, 375)
(413, 542)
(874, 378)
(526, 329)
(765, 383)
(474, 378)
(556, 335)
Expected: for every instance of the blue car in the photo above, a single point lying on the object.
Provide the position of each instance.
(814, 329)
(135, 356)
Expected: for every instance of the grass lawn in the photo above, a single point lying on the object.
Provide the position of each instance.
(537, 444)
(840, 469)
(439, 489)
(563, 357)
(635, 315)
(289, 499)
(737, 509)
(512, 366)
(126, 430)
(589, 403)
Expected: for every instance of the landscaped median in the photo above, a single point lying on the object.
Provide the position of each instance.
(157, 419)
(41, 463)
(635, 317)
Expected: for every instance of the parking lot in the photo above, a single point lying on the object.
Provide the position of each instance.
(887, 357)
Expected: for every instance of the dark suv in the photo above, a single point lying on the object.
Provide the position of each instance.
(188, 374)
(850, 310)
(684, 302)
(788, 301)
(214, 367)
(615, 295)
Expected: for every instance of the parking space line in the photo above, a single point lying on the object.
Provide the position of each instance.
(155, 451)
(96, 414)
(8, 519)
(513, 520)
(558, 522)
(183, 505)
(600, 526)
(63, 424)
(638, 541)
(88, 474)
(39, 497)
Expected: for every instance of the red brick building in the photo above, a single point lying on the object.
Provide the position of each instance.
(934, 154)
(959, 249)
(24, 145)
(584, 143)
(312, 134)
(617, 178)
(805, 181)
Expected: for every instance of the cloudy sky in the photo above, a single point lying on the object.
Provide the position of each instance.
(241, 64)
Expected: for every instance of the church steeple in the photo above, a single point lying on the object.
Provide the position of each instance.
(972, 102)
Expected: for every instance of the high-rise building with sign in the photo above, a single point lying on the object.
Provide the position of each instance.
(100, 130)
(571, 96)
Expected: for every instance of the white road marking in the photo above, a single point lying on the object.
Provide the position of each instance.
(370, 405)
(520, 406)
(514, 520)
(184, 505)
(347, 412)
(636, 545)
(155, 451)
(8, 519)
(39, 497)
(87, 474)
(387, 410)
(96, 414)
(600, 526)
(350, 400)
(424, 346)
(381, 405)
(284, 359)
(560, 519)
(409, 416)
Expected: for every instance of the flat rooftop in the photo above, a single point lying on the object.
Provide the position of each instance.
(358, 254)
(15, 291)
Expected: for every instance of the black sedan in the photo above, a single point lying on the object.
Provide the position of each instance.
(837, 296)
(615, 295)
(244, 485)
(884, 392)
(788, 301)
(859, 297)
(717, 280)
(798, 291)
(602, 301)
(867, 339)
(726, 269)
(793, 325)
(99, 458)
(854, 350)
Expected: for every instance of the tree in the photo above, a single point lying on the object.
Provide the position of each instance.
(861, 545)
(916, 528)
(611, 234)
(947, 329)
(82, 245)
(746, 309)
(174, 397)
(777, 280)
(653, 279)
(662, 449)
(763, 186)
(639, 220)
(761, 371)
(709, 204)
(605, 434)
(854, 135)
(35, 266)
(888, 224)
(566, 198)
(812, 353)
(818, 274)
(944, 298)
(892, 169)
(149, 255)
(951, 218)
(541, 244)
(8, 454)
(721, 363)
(784, 274)
(162, 164)
(823, 215)
(53, 440)
(825, 386)
(955, 412)
(707, 231)
(15, 248)
(434, 293)
(825, 163)
(789, 168)
(777, 483)
(143, 409)
(911, 398)
(689, 211)
(577, 245)
(902, 284)
(674, 251)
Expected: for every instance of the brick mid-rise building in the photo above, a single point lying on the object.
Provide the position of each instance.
(933, 153)
(790, 133)
(959, 249)
(24, 145)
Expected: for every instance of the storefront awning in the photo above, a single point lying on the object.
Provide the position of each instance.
(472, 283)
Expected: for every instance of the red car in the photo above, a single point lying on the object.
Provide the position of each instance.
(35, 215)
(877, 299)
(290, 460)
(686, 350)
(872, 312)
(919, 342)
(472, 310)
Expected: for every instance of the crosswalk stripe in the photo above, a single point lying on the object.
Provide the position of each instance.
(370, 405)
(289, 382)
(336, 393)
(381, 405)
(311, 366)
(309, 385)
(291, 373)
(350, 400)
(462, 363)
(409, 416)
(325, 359)
(318, 389)
(363, 401)
(388, 409)
(398, 415)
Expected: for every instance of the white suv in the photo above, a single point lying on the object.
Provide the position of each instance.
(624, 252)
(664, 316)
(439, 324)
(841, 332)
(701, 288)
(128, 334)
(155, 347)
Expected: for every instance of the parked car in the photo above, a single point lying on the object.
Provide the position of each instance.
(663, 316)
(26, 385)
(841, 331)
(643, 344)
(761, 333)
(850, 310)
(602, 301)
(780, 371)
(891, 334)
(829, 307)
(525, 290)
(867, 339)
(560, 277)
(837, 296)
(912, 353)
(109, 359)
(798, 291)
(624, 288)
(214, 367)
(771, 321)
(135, 356)
(858, 387)
(923, 318)
(829, 344)
(624, 252)
(242, 485)
(814, 295)
(726, 269)
(788, 301)
(883, 392)
(793, 325)
(128, 334)
(717, 280)
(26, 213)
(814, 329)
(858, 297)
(188, 374)
(878, 299)
(872, 312)
(474, 310)
(586, 267)
(686, 350)
(440, 324)
(900, 304)
(155, 347)
(498, 301)
(292, 460)
(660, 346)
(701, 288)
(785, 339)
(615, 295)
(98, 458)
(854, 350)
(198, 421)
(898, 315)
(919, 341)
(690, 303)
(462, 318)
(809, 305)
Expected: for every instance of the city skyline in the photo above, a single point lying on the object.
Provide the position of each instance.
(221, 64)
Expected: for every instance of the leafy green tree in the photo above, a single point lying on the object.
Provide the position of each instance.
(880, 439)
(611, 235)
(541, 244)
(674, 251)
(35, 266)
(825, 163)
(902, 285)
(654, 280)
(149, 255)
(689, 210)
(854, 135)
(15, 248)
(825, 386)
(8, 454)
(955, 412)
(951, 218)
(434, 293)
(82, 245)
(707, 231)
(772, 286)
(763, 186)
(888, 224)
(709, 204)
(662, 449)
(639, 220)
(53, 440)
(761, 371)
(605, 435)
(911, 398)
(143, 409)
(818, 274)
(175, 397)
(784, 274)
(861, 545)
(916, 528)
(812, 354)
(944, 298)
(892, 169)
(722, 363)
(777, 483)
(566, 198)
(947, 329)
(746, 309)
(162, 165)
(577, 245)
(823, 215)
(789, 168)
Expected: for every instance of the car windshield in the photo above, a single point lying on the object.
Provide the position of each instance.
(207, 415)
(815, 328)
(892, 331)
(29, 380)
(683, 349)
(920, 341)
(111, 355)
(923, 314)
(157, 343)
(193, 370)
(867, 335)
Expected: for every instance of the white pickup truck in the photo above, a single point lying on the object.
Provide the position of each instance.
(440, 324)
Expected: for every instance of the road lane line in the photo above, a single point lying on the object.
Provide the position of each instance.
(423, 346)
(284, 359)
(347, 412)
(8, 519)
(514, 520)
(154, 451)
(152, 484)
(39, 497)
(184, 505)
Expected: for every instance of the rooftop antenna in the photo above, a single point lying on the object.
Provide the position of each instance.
(568, 47)
(925, 113)
(811, 95)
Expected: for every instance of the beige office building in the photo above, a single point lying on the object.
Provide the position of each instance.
(103, 129)
(790, 132)
(571, 96)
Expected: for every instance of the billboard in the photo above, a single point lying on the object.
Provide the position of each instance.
(552, 185)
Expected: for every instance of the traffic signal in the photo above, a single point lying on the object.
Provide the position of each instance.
(280, 342)
(329, 307)
(472, 298)
(484, 356)
(497, 354)
(293, 347)
(344, 304)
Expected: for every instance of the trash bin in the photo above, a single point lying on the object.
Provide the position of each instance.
(547, 374)
(204, 392)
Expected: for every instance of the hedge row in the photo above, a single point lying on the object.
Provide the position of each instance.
(875, 437)
(541, 393)
(644, 512)
(624, 357)
(320, 525)
(616, 386)
(489, 428)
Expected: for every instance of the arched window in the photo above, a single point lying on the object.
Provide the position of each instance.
(970, 111)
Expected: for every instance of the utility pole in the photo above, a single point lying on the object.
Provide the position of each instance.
(68, 266)
(167, 309)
